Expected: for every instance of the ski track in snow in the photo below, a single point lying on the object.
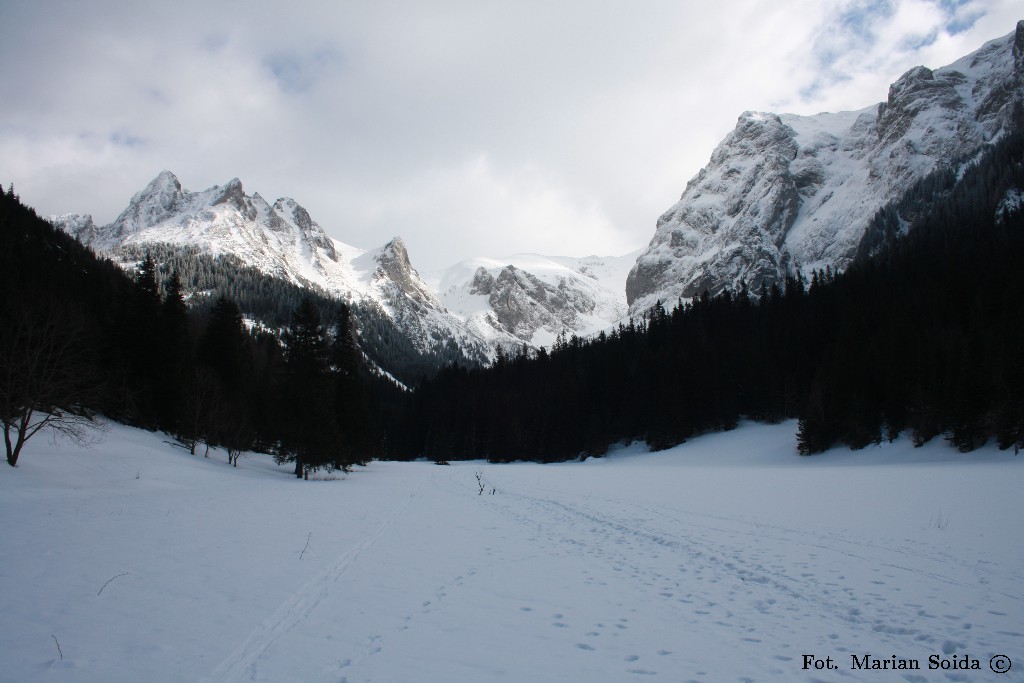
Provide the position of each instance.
(243, 663)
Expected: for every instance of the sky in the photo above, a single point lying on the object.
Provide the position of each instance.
(467, 128)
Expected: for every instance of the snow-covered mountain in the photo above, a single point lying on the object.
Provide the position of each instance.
(487, 304)
(534, 298)
(281, 240)
(783, 192)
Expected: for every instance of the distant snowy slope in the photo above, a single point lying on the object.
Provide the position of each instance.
(532, 298)
(726, 559)
(782, 191)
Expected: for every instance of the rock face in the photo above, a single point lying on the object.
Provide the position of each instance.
(532, 299)
(157, 202)
(523, 303)
(783, 192)
(394, 266)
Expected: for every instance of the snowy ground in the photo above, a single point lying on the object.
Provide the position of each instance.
(727, 559)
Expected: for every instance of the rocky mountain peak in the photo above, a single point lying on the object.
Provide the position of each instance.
(157, 201)
(782, 192)
(164, 179)
(231, 193)
(729, 223)
(234, 195)
(756, 127)
(397, 250)
(393, 265)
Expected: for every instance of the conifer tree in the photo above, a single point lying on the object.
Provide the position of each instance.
(218, 394)
(137, 337)
(173, 356)
(308, 419)
(357, 425)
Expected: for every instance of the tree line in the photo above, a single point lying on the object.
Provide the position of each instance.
(923, 334)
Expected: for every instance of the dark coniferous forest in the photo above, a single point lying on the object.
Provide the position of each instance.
(923, 334)
(272, 300)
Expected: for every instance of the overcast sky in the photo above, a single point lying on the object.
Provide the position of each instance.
(470, 128)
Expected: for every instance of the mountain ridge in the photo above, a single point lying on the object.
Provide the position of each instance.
(283, 241)
(784, 192)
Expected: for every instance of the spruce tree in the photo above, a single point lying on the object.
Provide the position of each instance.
(173, 356)
(356, 422)
(219, 391)
(308, 419)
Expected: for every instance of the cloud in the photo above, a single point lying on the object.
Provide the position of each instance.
(468, 128)
(497, 212)
(300, 71)
(867, 43)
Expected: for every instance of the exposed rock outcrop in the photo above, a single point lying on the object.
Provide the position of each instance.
(783, 192)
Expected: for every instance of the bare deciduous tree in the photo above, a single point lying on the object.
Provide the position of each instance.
(202, 398)
(45, 379)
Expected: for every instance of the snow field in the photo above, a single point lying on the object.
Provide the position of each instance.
(725, 559)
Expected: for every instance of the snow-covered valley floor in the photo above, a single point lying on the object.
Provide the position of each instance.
(729, 558)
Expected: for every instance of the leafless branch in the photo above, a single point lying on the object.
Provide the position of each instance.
(111, 579)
